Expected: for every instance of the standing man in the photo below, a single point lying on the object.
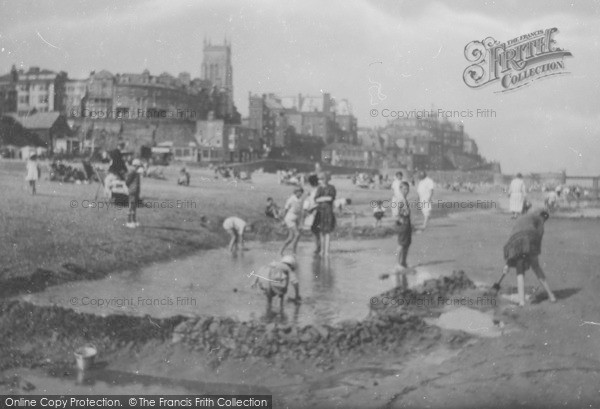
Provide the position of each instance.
(517, 194)
(425, 191)
(134, 186)
(397, 196)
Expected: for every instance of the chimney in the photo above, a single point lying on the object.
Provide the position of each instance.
(14, 75)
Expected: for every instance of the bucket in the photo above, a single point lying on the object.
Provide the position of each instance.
(84, 356)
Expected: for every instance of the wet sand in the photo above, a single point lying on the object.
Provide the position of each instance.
(549, 357)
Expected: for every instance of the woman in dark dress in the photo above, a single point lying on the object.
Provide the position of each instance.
(325, 217)
(117, 165)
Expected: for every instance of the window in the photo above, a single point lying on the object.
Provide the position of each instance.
(43, 99)
(205, 153)
(122, 112)
(23, 99)
(186, 152)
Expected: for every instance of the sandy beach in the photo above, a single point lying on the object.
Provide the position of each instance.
(468, 350)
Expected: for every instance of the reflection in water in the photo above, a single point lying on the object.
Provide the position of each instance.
(85, 378)
(323, 277)
(280, 316)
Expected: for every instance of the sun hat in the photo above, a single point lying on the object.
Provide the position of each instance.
(289, 260)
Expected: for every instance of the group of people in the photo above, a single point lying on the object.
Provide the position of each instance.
(517, 192)
(563, 195)
(58, 172)
(67, 174)
(227, 172)
(314, 212)
(460, 186)
(399, 202)
(291, 177)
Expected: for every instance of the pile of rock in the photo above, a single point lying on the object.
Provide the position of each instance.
(230, 338)
(60, 330)
(422, 299)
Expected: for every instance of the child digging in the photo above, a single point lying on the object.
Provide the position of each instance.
(522, 251)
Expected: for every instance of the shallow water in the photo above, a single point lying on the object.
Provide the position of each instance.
(468, 320)
(215, 283)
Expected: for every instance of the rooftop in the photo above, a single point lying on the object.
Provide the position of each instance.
(39, 120)
(347, 147)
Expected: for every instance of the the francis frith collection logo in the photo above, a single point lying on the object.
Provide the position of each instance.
(514, 63)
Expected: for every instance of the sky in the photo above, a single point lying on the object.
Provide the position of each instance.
(411, 51)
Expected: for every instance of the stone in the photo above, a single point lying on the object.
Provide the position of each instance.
(365, 337)
(182, 327)
(305, 337)
(213, 327)
(227, 343)
(322, 331)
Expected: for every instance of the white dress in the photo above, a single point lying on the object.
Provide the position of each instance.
(32, 171)
(517, 195)
(425, 191)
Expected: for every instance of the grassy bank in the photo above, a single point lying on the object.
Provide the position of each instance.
(57, 234)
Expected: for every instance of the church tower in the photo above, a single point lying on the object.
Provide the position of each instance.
(217, 68)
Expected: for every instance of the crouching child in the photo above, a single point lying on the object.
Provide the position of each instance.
(274, 279)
